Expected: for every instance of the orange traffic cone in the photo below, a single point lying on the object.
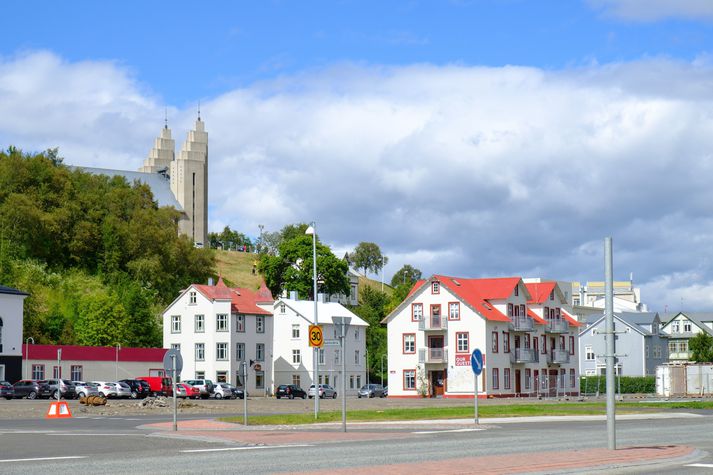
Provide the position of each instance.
(58, 410)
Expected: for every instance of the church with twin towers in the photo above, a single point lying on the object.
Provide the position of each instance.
(179, 180)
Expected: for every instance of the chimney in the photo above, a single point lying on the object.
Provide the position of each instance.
(293, 295)
(210, 281)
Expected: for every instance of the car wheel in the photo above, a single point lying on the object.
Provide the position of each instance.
(81, 395)
(278, 397)
(8, 397)
(321, 396)
(32, 395)
(371, 395)
(292, 396)
(359, 396)
(311, 397)
(334, 396)
(218, 396)
(54, 394)
(304, 396)
(134, 395)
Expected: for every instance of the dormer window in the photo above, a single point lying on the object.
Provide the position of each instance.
(517, 290)
(282, 308)
(552, 295)
(435, 287)
(192, 298)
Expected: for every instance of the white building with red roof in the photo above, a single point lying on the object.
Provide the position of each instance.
(216, 328)
(432, 333)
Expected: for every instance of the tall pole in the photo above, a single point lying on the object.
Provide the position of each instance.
(173, 377)
(59, 374)
(27, 355)
(245, 392)
(313, 228)
(610, 348)
(344, 379)
(116, 366)
(382, 273)
(475, 398)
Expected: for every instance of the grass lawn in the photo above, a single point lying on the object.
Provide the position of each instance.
(460, 412)
(237, 268)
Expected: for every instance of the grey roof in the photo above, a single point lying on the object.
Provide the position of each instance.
(11, 291)
(636, 320)
(160, 184)
(698, 318)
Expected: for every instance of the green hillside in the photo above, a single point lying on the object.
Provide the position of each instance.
(236, 268)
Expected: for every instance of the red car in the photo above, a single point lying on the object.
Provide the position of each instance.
(187, 391)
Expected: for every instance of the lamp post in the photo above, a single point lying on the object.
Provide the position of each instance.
(312, 229)
(27, 354)
(382, 369)
(116, 367)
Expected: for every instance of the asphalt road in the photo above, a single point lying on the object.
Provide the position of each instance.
(116, 444)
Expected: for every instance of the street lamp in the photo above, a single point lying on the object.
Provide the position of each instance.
(312, 229)
(116, 367)
(27, 354)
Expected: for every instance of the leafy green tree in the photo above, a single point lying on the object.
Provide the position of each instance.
(292, 268)
(229, 239)
(367, 256)
(103, 321)
(701, 347)
(407, 275)
(372, 308)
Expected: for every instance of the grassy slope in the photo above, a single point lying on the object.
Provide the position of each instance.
(236, 268)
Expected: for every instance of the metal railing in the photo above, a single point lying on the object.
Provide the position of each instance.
(524, 355)
(432, 355)
(558, 357)
(433, 323)
(557, 326)
(522, 323)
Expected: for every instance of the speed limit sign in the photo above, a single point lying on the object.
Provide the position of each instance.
(316, 339)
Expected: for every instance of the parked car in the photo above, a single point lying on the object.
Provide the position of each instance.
(31, 389)
(386, 391)
(84, 389)
(159, 385)
(290, 391)
(139, 387)
(110, 389)
(64, 386)
(6, 390)
(325, 390)
(184, 390)
(205, 386)
(223, 391)
(371, 390)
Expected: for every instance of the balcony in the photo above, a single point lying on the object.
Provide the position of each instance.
(524, 355)
(522, 323)
(433, 355)
(558, 357)
(433, 323)
(557, 326)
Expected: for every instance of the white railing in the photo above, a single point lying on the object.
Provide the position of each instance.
(433, 323)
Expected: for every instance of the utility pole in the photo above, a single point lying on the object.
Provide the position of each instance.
(610, 346)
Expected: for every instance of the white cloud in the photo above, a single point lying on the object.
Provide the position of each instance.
(652, 10)
(457, 170)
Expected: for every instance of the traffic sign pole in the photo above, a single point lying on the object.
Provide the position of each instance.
(475, 398)
(476, 363)
(173, 374)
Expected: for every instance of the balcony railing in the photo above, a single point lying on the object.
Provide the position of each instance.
(433, 323)
(557, 326)
(522, 323)
(558, 357)
(524, 355)
(433, 355)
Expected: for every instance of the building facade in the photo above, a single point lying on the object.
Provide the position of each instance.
(217, 329)
(11, 318)
(681, 328)
(293, 358)
(432, 333)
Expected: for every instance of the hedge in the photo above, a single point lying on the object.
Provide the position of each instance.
(629, 384)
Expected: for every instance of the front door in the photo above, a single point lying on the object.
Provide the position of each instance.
(552, 386)
(517, 381)
(536, 379)
(437, 383)
(435, 316)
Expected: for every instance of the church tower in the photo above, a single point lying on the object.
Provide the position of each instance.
(189, 183)
(162, 153)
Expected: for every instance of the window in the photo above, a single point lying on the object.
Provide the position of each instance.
(38, 371)
(199, 323)
(454, 311)
(76, 373)
(239, 378)
(356, 357)
(1, 336)
(552, 295)
(494, 343)
(506, 342)
(572, 378)
(260, 324)
(435, 287)
(672, 347)
(536, 345)
(192, 297)
(200, 374)
(200, 351)
(409, 343)
(296, 380)
(506, 378)
(296, 330)
(496, 378)
(240, 352)
(675, 327)
(646, 348)
(282, 308)
(296, 357)
(517, 290)
(351, 381)
(563, 376)
(221, 322)
(240, 323)
(527, 341)
(589, 353)
(571, 345)
(336, 356)
(259, 380)
(562, 342)
(409, 379)
(176, 346)
(510, 310)
(528, 377)
(175, 324)
(544, 344)
(260, 352)
(320, 356)
(356, 334)
(221, 351)
(462, 342)
(221, 376)
(657, 351)
(687, 327)
(358, 381)
(416, 312)
(682, 346)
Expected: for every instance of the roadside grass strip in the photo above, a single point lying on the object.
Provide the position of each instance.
(460, 412)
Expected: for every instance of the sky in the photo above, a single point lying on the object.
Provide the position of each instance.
(473, 138)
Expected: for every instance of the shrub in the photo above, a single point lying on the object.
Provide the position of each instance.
(629, 384)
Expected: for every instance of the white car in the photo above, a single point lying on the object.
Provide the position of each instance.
(111, 389)
(86, 389)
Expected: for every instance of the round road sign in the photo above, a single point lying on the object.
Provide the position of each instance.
(316, 338)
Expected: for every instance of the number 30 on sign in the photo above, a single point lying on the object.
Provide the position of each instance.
(316, 339)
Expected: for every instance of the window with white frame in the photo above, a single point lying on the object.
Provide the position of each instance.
(409, 379)
(259, 380)
(356, 357)
(675, 327)
(38, 371)
(200, 374)
(657, 351)
(528, 377)
(240, 352)
(435, 287)
(462, 345)
(506, 378)
(672, 347)
(320, 356)
(409, 342)
(351, 381)
(296, 380)
(200, 351)
(646, 347)
(221, 351)
(221, 322)
(417, 312)
(572, 378)
(175, 324)
(336, 356)
(76, 372)
(296, 357)
(221, 376)
(260, 324)
(563, 376)
(192, 297)
(356, 334)
(176, 346)
(296, 330)
(687, 327)
(240, 323)
(260, 352)
(494, 342)
(589, 353)
(454, 311)
(283, 307)
(56, 372)
(358, 381)
(495, 378)
(199, 323)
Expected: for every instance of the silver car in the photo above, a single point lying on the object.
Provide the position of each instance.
(84, 389)
(112, 389)
(325, 390)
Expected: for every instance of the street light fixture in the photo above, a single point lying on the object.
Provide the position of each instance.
(27, 354)
(312, 229)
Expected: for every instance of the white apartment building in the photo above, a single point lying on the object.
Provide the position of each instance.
(432, 333)
(293, 358)
(11, 317)
(216, 328)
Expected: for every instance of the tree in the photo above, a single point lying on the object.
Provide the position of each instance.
(367, 256)
(701, 347)
(291, 269)
(229, 239)
(407, 275)
(372, 309)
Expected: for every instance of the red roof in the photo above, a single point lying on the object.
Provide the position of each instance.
(476, 293)
(539, 291)
(537, 319)
(242, 300)
(572, 321)
(415, 287)
(93, 353)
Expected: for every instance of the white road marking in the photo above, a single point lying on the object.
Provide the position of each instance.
(44, 458)
(258, 447)
(702, 465)
(444, 431)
